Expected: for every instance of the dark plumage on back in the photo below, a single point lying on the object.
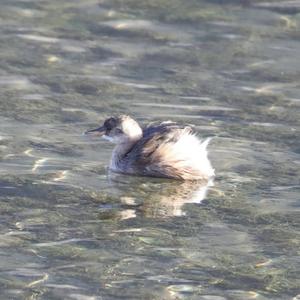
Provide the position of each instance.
(162, 128)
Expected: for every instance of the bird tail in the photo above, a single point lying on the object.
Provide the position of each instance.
(205, 143)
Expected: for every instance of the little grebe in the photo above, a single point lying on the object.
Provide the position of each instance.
(164, 150)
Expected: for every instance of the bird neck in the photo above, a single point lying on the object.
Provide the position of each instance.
(119, 154)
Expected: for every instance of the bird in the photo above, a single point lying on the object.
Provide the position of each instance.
(166, 149)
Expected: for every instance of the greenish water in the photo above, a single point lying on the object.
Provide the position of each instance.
(71, 230)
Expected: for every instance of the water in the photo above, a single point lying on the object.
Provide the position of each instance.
(71, 230)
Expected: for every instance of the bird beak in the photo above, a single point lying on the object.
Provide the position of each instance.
(100, 131)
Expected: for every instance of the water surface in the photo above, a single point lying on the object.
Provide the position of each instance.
(71, 230)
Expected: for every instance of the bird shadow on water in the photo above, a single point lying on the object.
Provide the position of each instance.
(156, 197)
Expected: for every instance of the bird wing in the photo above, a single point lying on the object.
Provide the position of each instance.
(150, 153)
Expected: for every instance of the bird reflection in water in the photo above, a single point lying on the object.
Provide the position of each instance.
(157, 198)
